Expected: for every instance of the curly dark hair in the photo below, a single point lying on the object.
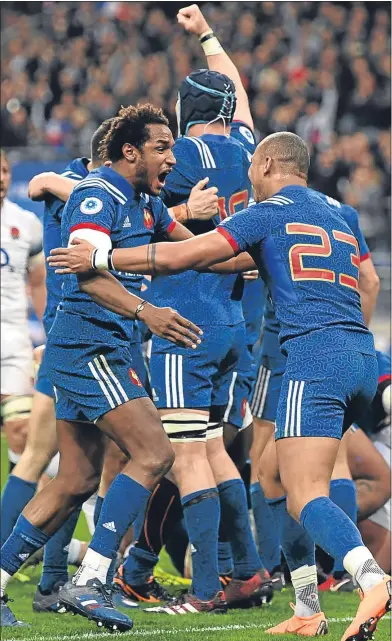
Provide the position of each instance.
(130, 126)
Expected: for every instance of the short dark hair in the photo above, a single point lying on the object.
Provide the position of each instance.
(289, 150)
(97, 138)
(130, 126)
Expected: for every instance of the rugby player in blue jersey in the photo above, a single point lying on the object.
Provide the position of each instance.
(98, 392)
(192, 390)
(309, 259)
(41, 443)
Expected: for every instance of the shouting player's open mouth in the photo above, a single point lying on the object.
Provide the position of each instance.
(162, 177)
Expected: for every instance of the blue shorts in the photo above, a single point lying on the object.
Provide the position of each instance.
(266, 392)
(325, 394)
(43, 384)
(92, 379)
(238, 412)
(200, 378)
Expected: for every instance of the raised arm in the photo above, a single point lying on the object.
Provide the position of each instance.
(192, 19)
(49, 182)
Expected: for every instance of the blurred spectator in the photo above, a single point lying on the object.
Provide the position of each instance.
(321, 69)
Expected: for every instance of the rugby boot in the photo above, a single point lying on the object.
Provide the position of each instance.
(48, 601)
(345, 584)
(94, 601)
(149, 592)
(191, 604)
(171, 580)
(314, 626)
(245, 594)
(7, 617)
(374, 604)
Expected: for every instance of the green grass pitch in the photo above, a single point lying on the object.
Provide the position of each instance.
(238, 625)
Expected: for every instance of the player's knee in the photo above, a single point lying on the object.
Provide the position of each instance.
(79, 485)
(159, 462)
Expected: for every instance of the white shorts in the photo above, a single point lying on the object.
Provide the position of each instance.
(383, 516)
(16, 361)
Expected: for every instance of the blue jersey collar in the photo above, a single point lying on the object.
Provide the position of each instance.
(116, 180)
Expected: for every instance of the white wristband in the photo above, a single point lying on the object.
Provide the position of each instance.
(100, 259)
(210, 43)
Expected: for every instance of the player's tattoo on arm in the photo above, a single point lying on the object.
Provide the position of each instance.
(153, 259)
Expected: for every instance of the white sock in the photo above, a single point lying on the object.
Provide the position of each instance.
(4, 578)
(94, 566)
(88, 508)
(304, 581)
(74, 551)
(360, 563)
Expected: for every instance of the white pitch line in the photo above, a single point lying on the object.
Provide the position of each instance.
(170, 631)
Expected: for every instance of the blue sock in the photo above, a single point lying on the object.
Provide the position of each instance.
(23, 542)
(330, 527)
(235, 518)
(97, 509)
(297, 546)
(202, 515)
(16, 494)
(120, 507)
(139, 566)
(55, 565)
(266, 529)
(225, 558)
(343, 493)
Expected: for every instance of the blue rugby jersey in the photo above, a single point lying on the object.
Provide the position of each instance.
(208, 299)
(106, 202)
(309, 258)
(271, 326)
(77, 170)
(253, 305)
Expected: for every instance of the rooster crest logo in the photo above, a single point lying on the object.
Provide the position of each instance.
(134, 377)
(148, 219)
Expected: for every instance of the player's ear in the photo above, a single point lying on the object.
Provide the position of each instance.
(129, 152)
(267, 165)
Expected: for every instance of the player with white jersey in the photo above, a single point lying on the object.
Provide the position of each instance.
(22, 263)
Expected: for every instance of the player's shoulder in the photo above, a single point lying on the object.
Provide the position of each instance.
(193, 152)
(243, 134)
(16, 213)
(94, 192)
(76, 169)
(344, 209)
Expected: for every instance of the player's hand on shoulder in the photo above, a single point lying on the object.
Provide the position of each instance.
(72, 260)
(166, 323)
(192, 19)
(203, 203)
(38, 185)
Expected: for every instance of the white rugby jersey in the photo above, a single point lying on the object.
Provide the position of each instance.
(21, 248)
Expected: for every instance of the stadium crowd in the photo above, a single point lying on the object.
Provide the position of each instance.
(321, 70)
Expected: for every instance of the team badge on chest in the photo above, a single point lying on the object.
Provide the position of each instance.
(15, 233)
(148, 219)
